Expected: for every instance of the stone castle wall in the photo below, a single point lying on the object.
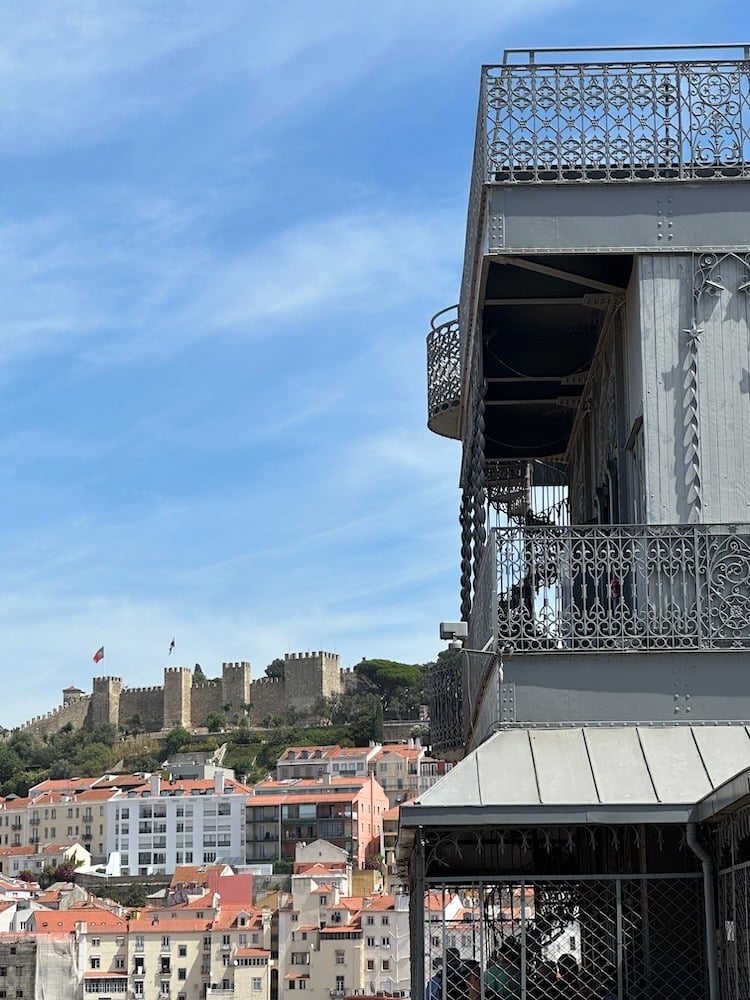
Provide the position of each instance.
(75, 713)
(310, 676)
(307, 678)
(147, 703)
(205, 698)
(267, 699)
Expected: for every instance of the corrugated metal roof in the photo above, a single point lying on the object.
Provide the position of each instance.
(576, 771)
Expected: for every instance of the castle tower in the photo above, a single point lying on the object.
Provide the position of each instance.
(310, 676)
(236, 687)
(104, 708)
(177, 696)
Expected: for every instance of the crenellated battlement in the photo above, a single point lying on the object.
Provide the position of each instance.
(307, 677)
(309, 656)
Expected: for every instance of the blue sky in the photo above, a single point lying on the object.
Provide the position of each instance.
(224, 229)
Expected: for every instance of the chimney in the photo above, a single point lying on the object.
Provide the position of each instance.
(219, 782)
(155, 784)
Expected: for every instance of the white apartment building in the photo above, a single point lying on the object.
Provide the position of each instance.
(161, 824)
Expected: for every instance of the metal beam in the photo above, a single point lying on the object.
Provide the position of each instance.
(537, 302)
(545, 400)
(555, 272)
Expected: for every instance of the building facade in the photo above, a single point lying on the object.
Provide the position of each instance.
(595, 374)
(346, 812)
(161, 824)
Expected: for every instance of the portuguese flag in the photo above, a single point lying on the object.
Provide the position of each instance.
(99, 654)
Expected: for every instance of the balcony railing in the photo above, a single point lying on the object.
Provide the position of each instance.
(638, 118)
(444, 373)
(683, 119)
(616, 588)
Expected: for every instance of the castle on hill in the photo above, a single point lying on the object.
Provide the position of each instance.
(181, 701)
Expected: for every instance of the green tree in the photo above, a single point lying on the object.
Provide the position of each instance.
(175, 739)
(215, 722)
(400, 686)
(275, 669)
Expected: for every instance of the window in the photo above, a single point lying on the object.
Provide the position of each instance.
(182, 951)
(226, 940)
(256, 985)
(182, 974)
(324, 900)
(303, 984)
(96, 942)
(370, 964)
(291, 984)
(385, 942)
(370, 921)
(385, 921)
(96, 962)
(164, 988)
(370, 942)
(242, 940)
(385, 965)
(139, 939)
(165, 940)
(340, 958)
(339, 984)
(119, 962)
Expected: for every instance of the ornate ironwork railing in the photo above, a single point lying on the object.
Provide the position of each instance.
(620, 588)
(444, 373)
(617, 121)
(445, 687)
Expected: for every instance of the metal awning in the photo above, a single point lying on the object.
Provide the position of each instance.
(572, 775)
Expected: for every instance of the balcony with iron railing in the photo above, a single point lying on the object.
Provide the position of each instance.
(444, 373)
(596, 589)
(600, 588)
(605, 116)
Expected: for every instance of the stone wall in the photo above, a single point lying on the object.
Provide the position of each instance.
(105, 702)
(205, 698)
(145, 702)
(177, 697)
(267, 698)
(74, 712)
(308, 676)
(236, 686)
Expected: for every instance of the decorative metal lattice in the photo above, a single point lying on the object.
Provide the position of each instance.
(622, 587)
(630, 121)
(730, 839)
(445, 694)
(443, 368)
(734, 931)
(551, 938)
